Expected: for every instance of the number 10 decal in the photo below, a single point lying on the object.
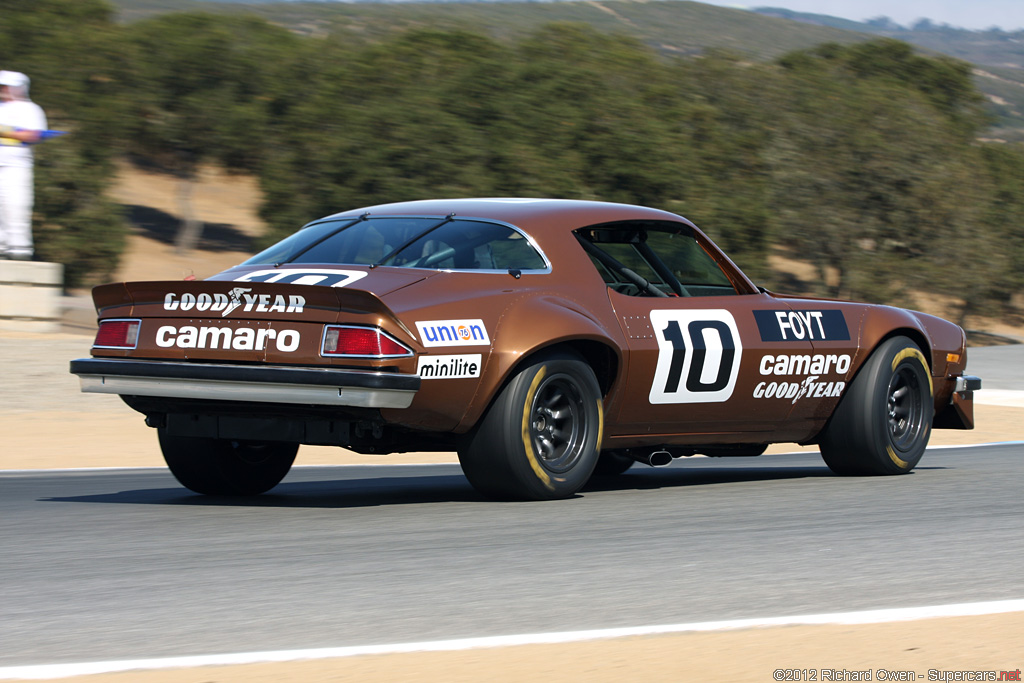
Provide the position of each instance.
(698, 356)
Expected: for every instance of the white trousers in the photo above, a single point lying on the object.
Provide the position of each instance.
(15, 211)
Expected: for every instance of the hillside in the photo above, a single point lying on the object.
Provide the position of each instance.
(675, 27)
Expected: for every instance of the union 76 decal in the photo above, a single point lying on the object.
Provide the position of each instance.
(699, 356)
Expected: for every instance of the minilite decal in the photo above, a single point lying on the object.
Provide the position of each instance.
(699, 355)
(814, 366)
(228, 338)
(449, 367)
(453, 332)
(781, 326)
(325, 277)
(237, 297)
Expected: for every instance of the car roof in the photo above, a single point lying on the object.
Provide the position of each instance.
(523, 212)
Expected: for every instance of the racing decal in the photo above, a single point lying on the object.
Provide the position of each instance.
(325, 277)
(238, 339)
(699, 355)
(805, 364)
(453, 332)
(813, 366)
(781, 326)
(237, 297)
(449, 367)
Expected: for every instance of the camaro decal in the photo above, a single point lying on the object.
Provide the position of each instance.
(325, 277)
(805, 364)
(238, 339)
(781, 326)
(453, 332)
(237, 297)
(699, 355)
(449, 367)
(802, 364)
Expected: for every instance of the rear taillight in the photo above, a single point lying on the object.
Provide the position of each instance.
(117, 334)
(346, 341)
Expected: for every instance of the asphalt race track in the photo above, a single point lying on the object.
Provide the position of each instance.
(112, 564)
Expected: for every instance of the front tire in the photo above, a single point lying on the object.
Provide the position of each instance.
(223, 467)
(882, 424)
(541, 437)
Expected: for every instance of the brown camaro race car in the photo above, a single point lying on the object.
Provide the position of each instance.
(543, 340)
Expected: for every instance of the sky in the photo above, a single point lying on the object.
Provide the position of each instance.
(972, 14)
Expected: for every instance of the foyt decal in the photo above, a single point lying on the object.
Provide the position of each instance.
(449, 367)
(325, 277)
(237, 339)
(699, 355)
(453, 332)
(812, 386)
(780, 326)
(238, 297)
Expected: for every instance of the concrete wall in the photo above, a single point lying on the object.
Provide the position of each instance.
(30, 296)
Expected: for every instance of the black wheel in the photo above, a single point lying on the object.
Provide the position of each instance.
(612, 463)
(540, 438)
(221, 467)
(882, 423)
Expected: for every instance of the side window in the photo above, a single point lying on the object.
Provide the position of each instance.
(696, 271)
(654, 259)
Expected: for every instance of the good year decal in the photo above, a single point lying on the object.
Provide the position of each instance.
(699, 355)
(237, 297)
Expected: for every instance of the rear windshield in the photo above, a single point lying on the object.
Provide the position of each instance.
(435, 243)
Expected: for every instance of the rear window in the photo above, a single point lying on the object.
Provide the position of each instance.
(434, 243)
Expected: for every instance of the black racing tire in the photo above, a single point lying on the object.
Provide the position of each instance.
(883, 422)
(541, 437)
(223, 467)
(612, 463)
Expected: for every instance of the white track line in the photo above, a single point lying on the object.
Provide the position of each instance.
(44, 671)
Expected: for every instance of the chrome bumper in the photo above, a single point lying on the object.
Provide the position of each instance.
(260, 384)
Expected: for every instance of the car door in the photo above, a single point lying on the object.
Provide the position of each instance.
(696, 362)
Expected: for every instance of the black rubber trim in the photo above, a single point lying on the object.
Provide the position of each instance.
(972, 383)
(363, 379)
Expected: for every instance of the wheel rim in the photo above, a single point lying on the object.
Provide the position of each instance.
(904, 408)
(556, 423)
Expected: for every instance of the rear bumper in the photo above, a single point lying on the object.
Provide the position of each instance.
(261, 384)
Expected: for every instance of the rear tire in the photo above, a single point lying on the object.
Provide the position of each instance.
(540, 438)
(222, 467)
(882, 424)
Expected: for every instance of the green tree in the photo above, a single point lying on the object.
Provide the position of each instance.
(72, 52)
(869, 175)
(204, 88)
(408, 118)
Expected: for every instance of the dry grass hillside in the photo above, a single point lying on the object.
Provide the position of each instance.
(227, 205)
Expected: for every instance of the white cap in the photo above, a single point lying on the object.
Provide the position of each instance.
(13, 78)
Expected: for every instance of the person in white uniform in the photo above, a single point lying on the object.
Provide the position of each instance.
(21, 123)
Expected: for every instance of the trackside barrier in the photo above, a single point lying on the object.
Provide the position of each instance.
(30, 296)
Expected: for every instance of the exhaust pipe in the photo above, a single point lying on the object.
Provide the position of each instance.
(653, 458)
